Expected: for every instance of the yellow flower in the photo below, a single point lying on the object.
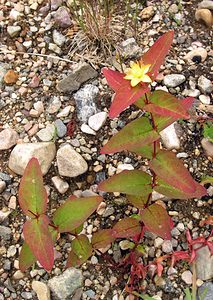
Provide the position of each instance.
(137, 73)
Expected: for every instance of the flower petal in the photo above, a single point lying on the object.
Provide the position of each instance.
(135, 81)
(145, 78)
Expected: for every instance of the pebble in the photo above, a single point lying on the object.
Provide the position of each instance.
(173, 9)
(58, 38)
(167, 246)
(8, 138)
(70, 163)
(10, 77)
(97, 121)
(54, 105)
(5, 233)
(62, 17)
(205, 99)
(194, 55)
(61, 185)
(207, 146)
(2, 186)
(86, 129)
(147, 13)
(130, 49)
(13, 31)
(64, 112)
(11, 251)
(170, 138)
(61, 129)
(41, 289)
(64, 285)
(204, 15)
(187, 277)
(22, 153)
(204, 263)
(158, 242)
(174, 80)
(12, 202)
(53, 47)
(55, 4)
(205, 85)
(47, 134)
(18, 275)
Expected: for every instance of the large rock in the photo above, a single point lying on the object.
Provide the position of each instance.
(64, 285)
(81, 74)
(205, 292)
(85, 100)
(8, 138)
(70, 163)
(204, 263)
(22, 153)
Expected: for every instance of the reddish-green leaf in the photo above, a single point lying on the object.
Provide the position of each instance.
(157, 220)
(126, 228)
(157, 53)
(26, 258)
(147, 150)
(81, 251)
(125, 96)
(133, 182)
(137, 134)
(165, 104)
(172, 192)
(32, 194)
(114, 78)
(102, 238)
(169, 168)
(138, 201)
(74, 212)
(39, 240)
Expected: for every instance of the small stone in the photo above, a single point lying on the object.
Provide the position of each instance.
(62, 17)
(64, 112)
(206, 4)
(58, 38)
(170, 138)
(130, 49)
(18, 275)
(8, 138)
(61, 129)
(10, 77)
(167, 246)
(34, 83)
(13, 31)
(158, 242)
(173, 80)
(207, 146)
(122, 167)
(61, 185)
(22, 153)
(70, 163)
(205, 99)
(27, 44)
(39, 106)
(101, 208)
(11, 251)
(5, 233)
(54, 105)
(125, 245)
(12, 202)
(54, 48)
(86, 129)
(193, 55)
(47, 134)
(64, 285)
(147, 13)
(41, 289)
(97, 121)
(204, 263)
(2, 186)
(4, 215)
(204, 15)
(187, 277)
(205, 85)
(33, 130)
(55, 4)
(173, 9)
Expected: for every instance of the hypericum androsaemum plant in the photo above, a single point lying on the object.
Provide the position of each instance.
(167, 174)
(40, 233)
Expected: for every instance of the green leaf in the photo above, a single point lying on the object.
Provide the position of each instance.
(136, 134)
(26, 258)
(39, 240)
(147, 150)
(74, 212)
(126, 228)
(207, 179)
(138, 201)
(102, 238)
(157, 220)
(165, 104)
(32, 194)
(175, 193)
(169, 168)
(81, 251)
(131, 182)
(208, 131)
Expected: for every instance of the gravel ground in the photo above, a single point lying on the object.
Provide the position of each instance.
(54, 105)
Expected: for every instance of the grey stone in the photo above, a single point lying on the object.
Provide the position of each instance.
(54, 4)
(205, 291)
(53, 47)
(13, 31)
(61, 129)
(204, 263)
(81, 74)
(170, 138)
(130, 49)
(26, 295)
(47, 134)
(85, 100)
(8, 138)
(5, 177)
(173, 80)
(205, 85)
(54, 105)
(70, 163)
(64, 285)
(5, 233)
(22, 153)
(58, 38)
(62, 17)
(206, 4)
(3, 70)
(61, 185)
(97, 121)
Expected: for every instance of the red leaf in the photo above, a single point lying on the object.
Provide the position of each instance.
(125, 228)
(138, 201)
(168, 167)
(114, 78)
(32, 194)
(102, 238)
(136, 134)
(125, 96)
(165, 104)
(157, 220)
(157, 53)
(39, 240)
